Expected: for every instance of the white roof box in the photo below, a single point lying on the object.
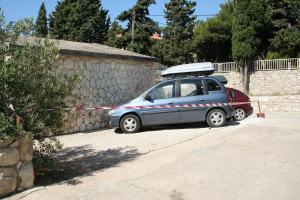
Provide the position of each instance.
(194, 69)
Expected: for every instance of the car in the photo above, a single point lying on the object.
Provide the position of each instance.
(243, 107)
(181, 99)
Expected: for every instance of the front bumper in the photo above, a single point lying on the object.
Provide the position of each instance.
(113, 121)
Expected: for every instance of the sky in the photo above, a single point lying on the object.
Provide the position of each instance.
(18, 9)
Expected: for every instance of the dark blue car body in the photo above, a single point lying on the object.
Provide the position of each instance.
(213, 95)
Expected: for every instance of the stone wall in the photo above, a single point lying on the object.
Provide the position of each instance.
(16, 170)
(234, 79)
(281, 82)
(105, 81)
(286, 103)
(267, 83)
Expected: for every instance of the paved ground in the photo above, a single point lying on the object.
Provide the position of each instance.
(256, 159)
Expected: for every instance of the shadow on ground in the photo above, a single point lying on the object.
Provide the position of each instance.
(179, 126)
(84, 161)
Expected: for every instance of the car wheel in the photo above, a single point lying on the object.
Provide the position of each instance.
(240, 114)
(216, 118)
(130, 124)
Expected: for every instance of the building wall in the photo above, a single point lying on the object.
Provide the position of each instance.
(104, 82)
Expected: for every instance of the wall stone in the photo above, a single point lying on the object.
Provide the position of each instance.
(105, 81)
(26, 147)
(9, 156)
(8, 180)
(16, 170)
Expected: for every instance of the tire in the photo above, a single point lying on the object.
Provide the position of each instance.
(130, 124)
(216, 118)
(240, 114)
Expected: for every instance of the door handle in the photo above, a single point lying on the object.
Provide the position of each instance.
(171, 103)
(202, 99)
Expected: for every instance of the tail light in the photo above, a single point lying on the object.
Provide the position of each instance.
(230, 95)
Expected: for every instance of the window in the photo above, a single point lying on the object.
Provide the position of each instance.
(212, 85)
(164, 91)
(191, 88)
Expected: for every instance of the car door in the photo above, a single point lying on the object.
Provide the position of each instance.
(216, 92)
(192, 93)
(160, 103)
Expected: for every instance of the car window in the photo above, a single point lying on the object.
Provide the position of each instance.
(191, 88)
(164, 91)
(212, 85)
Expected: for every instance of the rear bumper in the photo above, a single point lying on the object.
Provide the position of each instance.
(229, 112)
(249, 111)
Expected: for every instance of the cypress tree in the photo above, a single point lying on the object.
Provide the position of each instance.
(79, 20)
(176, 46)
(250, 27)
(41, 27)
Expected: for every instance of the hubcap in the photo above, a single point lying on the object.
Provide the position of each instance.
(130, 124)
(240, 114)
(216, 118)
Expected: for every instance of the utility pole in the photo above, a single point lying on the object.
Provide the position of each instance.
(132, 27)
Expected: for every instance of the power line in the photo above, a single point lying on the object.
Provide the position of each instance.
(198, 15)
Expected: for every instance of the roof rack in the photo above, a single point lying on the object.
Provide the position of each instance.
(194, 69)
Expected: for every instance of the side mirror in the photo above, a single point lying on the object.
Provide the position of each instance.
(150, 97)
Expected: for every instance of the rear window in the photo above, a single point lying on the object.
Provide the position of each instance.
(212, 85)
(191, 88)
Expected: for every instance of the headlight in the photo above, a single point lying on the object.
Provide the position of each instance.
(110, 112)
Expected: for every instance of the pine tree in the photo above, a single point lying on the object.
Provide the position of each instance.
(176, 46)
(250, 30)
(115, 36)
(41, 27)
(143, 28)
(212, 38)
(79, 20)
(285, 40)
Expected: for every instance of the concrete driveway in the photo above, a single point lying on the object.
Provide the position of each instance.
(256, 159)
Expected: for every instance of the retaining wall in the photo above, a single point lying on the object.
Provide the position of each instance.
(286, 103)
(267, 83)
(281, 82)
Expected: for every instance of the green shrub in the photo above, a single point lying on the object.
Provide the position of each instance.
(44, 155)
(30, 83)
